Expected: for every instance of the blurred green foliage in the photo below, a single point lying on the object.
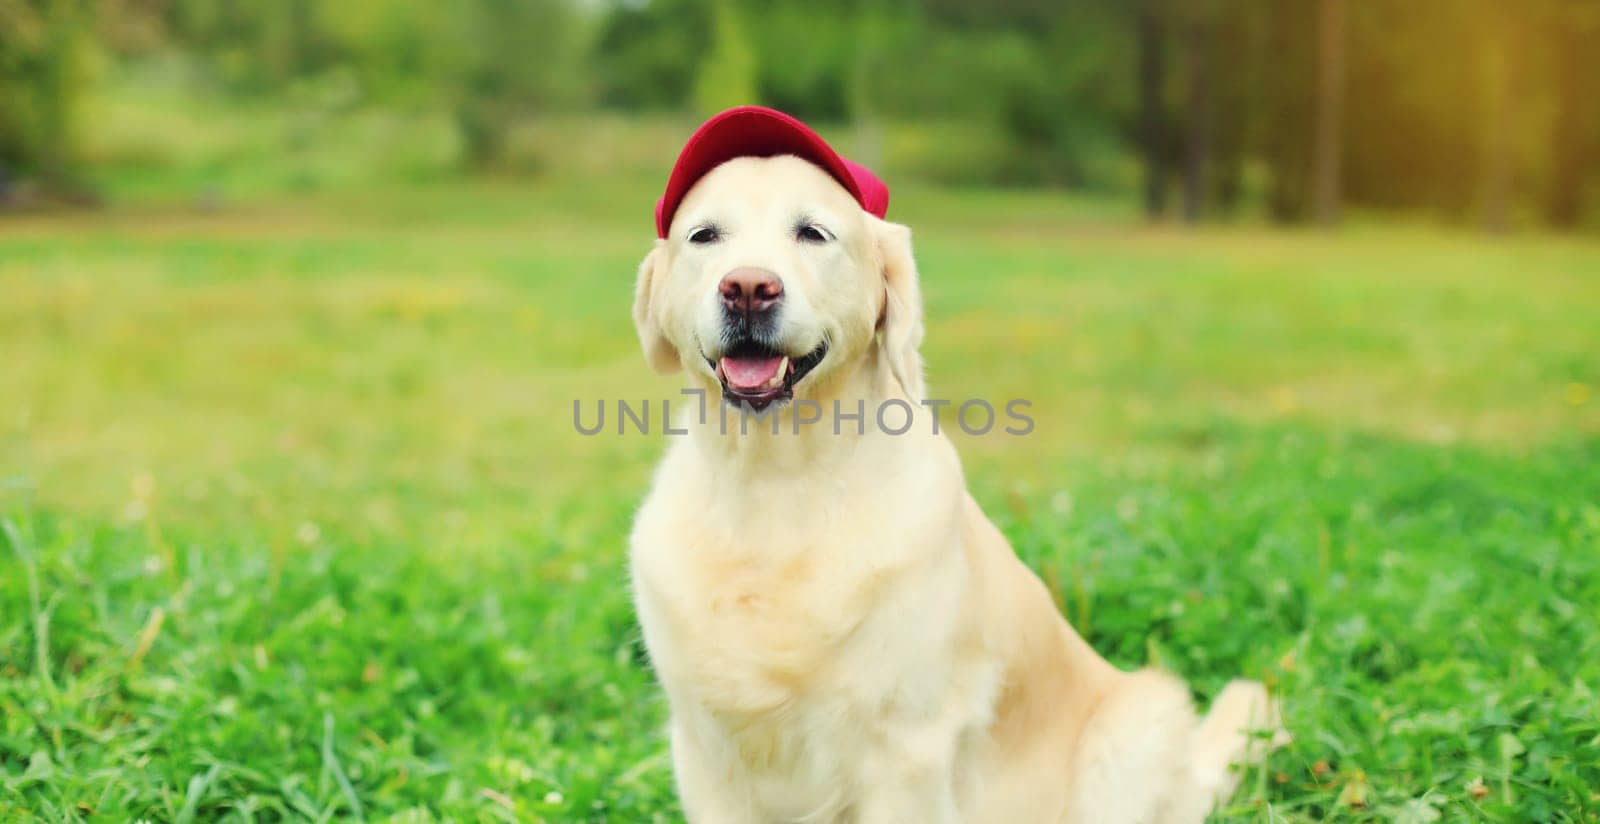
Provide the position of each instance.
(1467, 108)
(44, 65)
(727, 78)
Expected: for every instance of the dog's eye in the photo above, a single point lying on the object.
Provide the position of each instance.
(812, 233)
(704, 235)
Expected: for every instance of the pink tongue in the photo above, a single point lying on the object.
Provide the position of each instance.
(750, 373)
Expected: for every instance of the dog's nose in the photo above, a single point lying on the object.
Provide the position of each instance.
(748, 290)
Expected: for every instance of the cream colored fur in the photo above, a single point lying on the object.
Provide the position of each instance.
(841, 633)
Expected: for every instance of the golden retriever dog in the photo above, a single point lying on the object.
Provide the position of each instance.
(842, 635)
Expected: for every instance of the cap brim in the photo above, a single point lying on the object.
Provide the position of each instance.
(756, 131)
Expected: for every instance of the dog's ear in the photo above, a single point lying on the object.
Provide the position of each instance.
(900, 323)
(658, 351)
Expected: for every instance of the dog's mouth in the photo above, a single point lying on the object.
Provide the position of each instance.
(759, 375)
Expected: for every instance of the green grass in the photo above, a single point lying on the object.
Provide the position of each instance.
(297, 526)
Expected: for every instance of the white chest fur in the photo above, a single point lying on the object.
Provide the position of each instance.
(805, 632)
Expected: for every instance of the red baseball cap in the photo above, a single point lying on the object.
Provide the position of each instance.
(757, 131)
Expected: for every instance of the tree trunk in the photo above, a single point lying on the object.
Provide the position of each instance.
(1289, 134)
(1197, 147)
(1329, 151)
(1568, 157)
(1495, 169)
(1152, 114)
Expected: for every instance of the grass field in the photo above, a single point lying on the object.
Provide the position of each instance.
(297, 525)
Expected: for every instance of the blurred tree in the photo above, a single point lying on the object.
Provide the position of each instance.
(1150, 19)
(645, 55)
(1453, 103)
(1199, 106)
(1572, 33)
(398, 52)
(727, 76)
(1329, 150)
(494, 64)
(1287, 137)
(811, 51)
(1222, 80)
(1236, 67)
(1070, 102)
(875, 27)
(1499, 35)
(44, 73)
(491, 63)
(254, 46)
(508, 60)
